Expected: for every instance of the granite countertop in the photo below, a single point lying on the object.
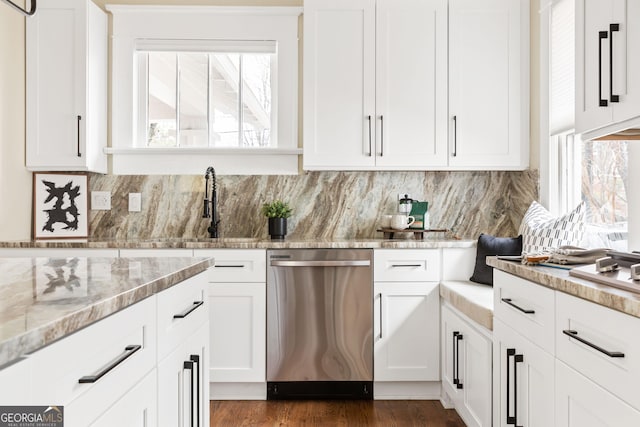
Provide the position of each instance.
(44, 299)
(244, 243)
(559, 279)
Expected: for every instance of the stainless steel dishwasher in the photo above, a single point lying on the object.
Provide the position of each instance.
(320, 324)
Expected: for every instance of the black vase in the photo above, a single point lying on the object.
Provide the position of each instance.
(277, 228)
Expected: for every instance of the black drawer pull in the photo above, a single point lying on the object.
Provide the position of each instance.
(229, 266)
(128, 351)
(574, 334)
(189, 310)
(524, 310)
(405, 265)
(459, 381)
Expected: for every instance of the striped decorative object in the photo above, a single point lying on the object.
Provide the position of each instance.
(543, 232)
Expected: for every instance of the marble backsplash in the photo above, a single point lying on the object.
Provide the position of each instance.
(339, 205)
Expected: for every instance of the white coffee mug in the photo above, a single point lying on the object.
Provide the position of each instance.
(400, 222)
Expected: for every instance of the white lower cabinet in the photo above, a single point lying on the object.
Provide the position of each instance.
(405, 330)
(467, 372)
(582, 403)
(137, 408)
(238, 332)
(523, 380)
(19, 376)
(183, 386)
(238, 311)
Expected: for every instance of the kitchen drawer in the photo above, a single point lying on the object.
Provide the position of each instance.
(182, 309)
(15, 380)
(155, 253)
(527, 307)
(57, 368)
(406, 265)
(236, 265)
(607, 329)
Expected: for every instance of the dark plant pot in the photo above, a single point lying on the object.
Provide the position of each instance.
(277, 228)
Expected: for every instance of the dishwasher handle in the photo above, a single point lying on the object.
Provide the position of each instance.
(327, 263)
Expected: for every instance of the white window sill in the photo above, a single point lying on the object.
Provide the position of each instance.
(194, 161)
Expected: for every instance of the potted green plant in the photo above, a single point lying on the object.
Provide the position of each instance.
(277, 212)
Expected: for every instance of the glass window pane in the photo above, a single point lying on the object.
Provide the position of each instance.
(225, 75)
(604, 190)
(161, 131)
(256, 78)
(193, 94)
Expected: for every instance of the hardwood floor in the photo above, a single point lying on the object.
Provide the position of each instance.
(352, 413)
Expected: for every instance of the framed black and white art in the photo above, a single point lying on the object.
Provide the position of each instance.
(60, 206)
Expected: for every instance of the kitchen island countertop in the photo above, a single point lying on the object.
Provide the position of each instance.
(559, 279)
(45, 299)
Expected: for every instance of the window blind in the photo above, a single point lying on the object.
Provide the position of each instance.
(562, 66)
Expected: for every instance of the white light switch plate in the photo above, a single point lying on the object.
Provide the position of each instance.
(135, 202)
(100, 200)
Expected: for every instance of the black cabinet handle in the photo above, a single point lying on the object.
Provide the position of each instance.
(381, 135)
(189, 310)
(370, 148)
(455, 136)
(189, 365)
(524, 310)
(454, 363)
(574, 334)
(612, 28)
(229, 266)
(196, 360)
(518, 358)
(458, 339)
(380, 296)
(128, 352)
(405, 265)
(602, 35)
(79, 118)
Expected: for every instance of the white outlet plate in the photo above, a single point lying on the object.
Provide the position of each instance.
(100, 200)
(135, 202)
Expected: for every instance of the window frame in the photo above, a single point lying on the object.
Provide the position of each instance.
(133, 25)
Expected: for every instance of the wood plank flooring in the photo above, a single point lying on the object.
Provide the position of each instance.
(352, 413)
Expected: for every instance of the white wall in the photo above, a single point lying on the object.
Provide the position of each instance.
(15, 181)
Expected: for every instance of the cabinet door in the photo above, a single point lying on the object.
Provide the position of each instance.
(467, 372)
(475, 376)
(66, 87)
(339, 84)
(523, 380)
(451, 328)
(183, 386)
(406, 331)
(237, 332)
(137, 408)
(593, 109)
(626, 72)
(582, 403)
(488, 84)
(411, 97)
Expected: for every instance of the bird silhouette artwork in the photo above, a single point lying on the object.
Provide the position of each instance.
(64, 210)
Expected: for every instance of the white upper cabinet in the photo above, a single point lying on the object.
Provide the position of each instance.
(66, 62)
(489, 84)
(374, 84)
(607, 66)
(410, 85)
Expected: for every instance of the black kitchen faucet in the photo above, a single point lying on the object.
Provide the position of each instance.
(211, 213)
